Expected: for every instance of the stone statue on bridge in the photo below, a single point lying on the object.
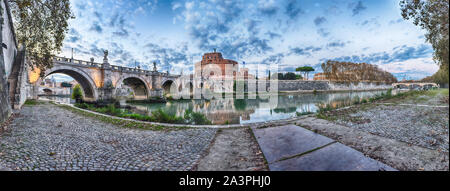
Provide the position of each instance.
(154, 66)
(105, 59)
(105, 55)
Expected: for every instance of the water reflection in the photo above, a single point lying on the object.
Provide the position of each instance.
(232, 111)
(58, 99)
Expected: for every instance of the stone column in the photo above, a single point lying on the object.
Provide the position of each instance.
(155, 91)
(154, 73)
(106, 89)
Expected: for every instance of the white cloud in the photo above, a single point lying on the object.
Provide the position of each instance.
(421, 66)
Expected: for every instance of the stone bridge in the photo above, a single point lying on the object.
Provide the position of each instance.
(102, 81)
(412, 85)
(53, 91)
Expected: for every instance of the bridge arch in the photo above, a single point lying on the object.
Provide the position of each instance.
(414, 85)
(182, 88)
(166, 84)
(47, 91)
(139, 85)
(85, 80)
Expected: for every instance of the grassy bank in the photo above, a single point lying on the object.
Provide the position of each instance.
(31, 102)
(159, 115)
(121, 122)
(414, 96)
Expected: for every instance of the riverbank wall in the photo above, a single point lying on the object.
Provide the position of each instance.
(310, 86)
(298, 85)
(7, 58)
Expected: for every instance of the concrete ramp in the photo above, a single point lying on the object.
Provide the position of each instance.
(292, 148)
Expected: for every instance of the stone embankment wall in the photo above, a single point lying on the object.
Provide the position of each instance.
(5, 107)
(361, 86)
(7, 56)
(9, 44)
(308, 86)
(298, 85)
(18, 81)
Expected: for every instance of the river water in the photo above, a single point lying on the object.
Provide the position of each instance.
(234, 111)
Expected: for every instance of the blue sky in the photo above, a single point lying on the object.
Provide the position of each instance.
(290, 33)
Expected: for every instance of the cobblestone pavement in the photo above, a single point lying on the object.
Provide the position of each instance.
(46, 137)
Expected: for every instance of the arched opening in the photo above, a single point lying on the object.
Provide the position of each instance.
(191, 87)
(48, 91)
(133, 87)
(166, 87)
(402, 86)
(428, 86)
(86, 84)
(187, 90)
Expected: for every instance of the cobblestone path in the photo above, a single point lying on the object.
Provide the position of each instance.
(47, 137)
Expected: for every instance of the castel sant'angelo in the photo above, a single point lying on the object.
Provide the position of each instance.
(216, 58)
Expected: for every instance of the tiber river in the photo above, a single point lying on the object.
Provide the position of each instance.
(233, 111)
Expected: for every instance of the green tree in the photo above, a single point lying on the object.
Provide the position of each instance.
(280, 76)
(432, 15)
(66, 84)
(290, 76)
(77, 93)
(306, 70)
(41, 25)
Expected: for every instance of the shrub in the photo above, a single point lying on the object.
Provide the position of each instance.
(31, 102)
(163, 117)
(303, 113)
(199, 119)
(83, 105)
(137, 116)
(325, 109)
(196, 118)
(110, 109)
(389, 94)
(77, 93)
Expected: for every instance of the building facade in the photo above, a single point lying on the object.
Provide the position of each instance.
(216, 66)
(320, 76)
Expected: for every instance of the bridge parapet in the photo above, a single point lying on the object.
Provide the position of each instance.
(62, 60)
(76, 62)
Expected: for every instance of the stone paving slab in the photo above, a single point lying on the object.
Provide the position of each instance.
(335, 157)
(285, 141)
(293, 148)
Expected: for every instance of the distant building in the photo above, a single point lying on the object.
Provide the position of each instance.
(50, 82)
(216, 59)
(73, 82)
(320, 76)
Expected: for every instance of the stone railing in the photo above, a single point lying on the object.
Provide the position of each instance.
(64, 60)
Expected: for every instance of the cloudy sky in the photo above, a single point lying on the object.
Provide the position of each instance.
(290, 33)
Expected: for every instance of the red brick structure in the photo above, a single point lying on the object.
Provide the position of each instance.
(217, 59)
(320, 76)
